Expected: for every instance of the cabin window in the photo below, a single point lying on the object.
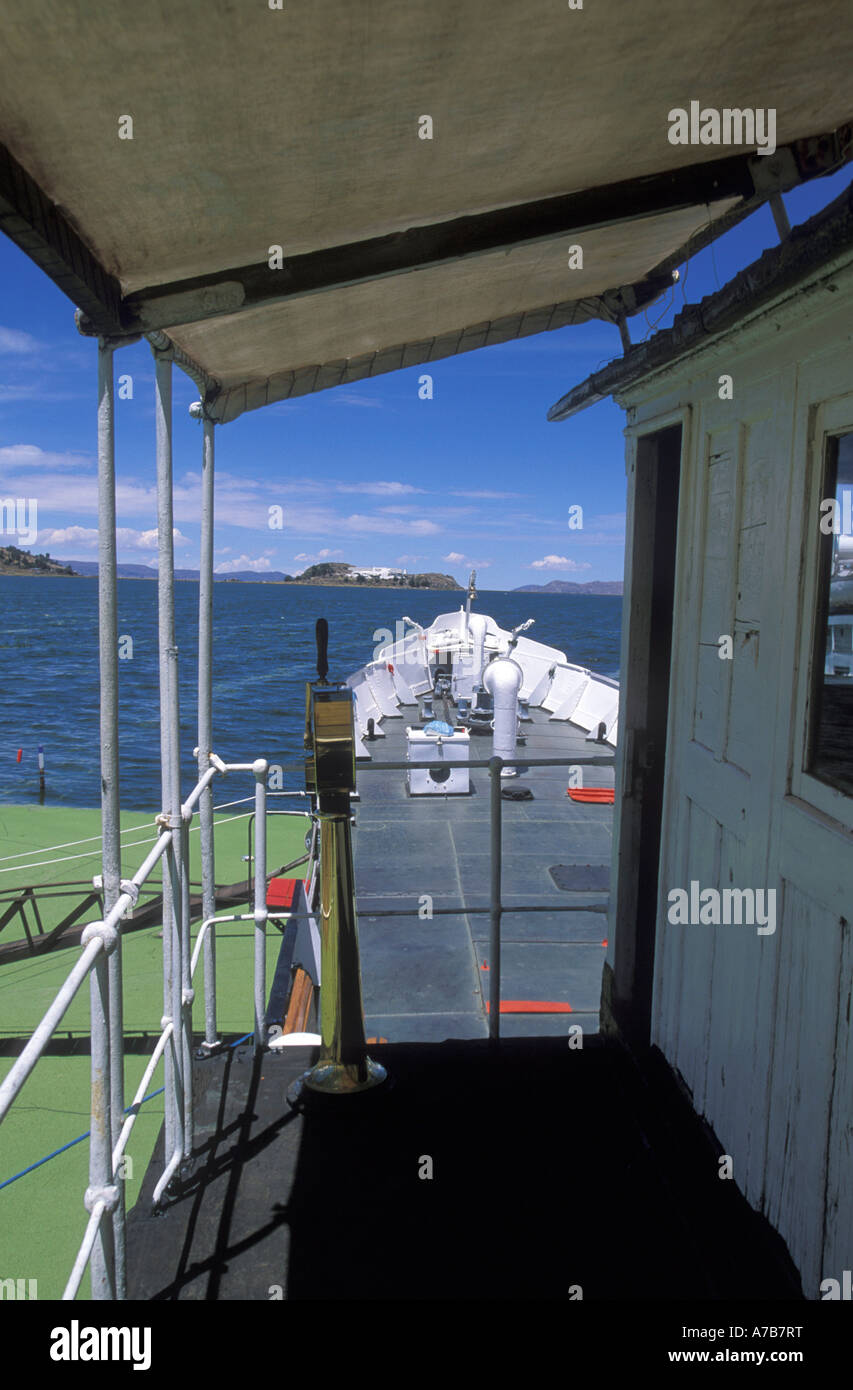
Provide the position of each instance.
(830, 756)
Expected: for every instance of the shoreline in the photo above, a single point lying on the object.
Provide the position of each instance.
(280, 583)
(309, 584)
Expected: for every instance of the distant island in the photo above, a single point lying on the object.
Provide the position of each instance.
(15, 561)
(564, 586)
(20, 562)
(331, 573)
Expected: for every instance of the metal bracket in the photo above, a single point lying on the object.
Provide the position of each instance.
(108, 935)
(774, 173)
(108, 1195)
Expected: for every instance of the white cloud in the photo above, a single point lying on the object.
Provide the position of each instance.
(65, 485)
(13, 341)
(303, 558)
(31, 456)
(78, 535)
(379, 489)
(558, 562)
(485, 493)
(382, 525)
(244, 562)
(126, 538)
(351, 398)
(455, 558)
(147, 540)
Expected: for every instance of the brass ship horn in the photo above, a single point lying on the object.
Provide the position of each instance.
(343, 1066)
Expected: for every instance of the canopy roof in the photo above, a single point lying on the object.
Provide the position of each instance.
(817, 250)
(299, 128)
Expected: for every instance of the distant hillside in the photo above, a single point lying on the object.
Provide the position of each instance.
(564, 586)
(89, 568)
(15, 561)
(330, 572)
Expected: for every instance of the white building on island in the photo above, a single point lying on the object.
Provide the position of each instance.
(377, 572)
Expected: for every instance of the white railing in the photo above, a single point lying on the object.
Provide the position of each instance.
(99, 941)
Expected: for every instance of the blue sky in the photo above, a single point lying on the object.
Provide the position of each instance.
(369, 474)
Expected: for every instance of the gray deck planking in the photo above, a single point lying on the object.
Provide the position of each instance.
(422, 979)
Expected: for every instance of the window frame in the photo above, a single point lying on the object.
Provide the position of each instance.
(829, 421)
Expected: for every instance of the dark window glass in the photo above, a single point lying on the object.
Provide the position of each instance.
(831, 742)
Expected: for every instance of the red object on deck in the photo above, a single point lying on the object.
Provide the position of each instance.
(591, 793)
(390, 668)
(532, 1006)
(280, 892)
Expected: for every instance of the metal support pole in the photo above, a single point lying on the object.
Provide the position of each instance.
(178, 879)
(495, 808)
(169, 758)
(103, 1267)
(260, 902)
(780, 216)
(108, 1268)
(205, 730)
(186, 990)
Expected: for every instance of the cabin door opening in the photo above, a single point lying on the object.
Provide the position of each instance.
(645, 675)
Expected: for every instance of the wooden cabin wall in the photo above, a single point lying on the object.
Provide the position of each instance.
(759, 1026)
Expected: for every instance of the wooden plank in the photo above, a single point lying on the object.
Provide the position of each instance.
(670, 941)
(801, 1076)
(742, 990)
(838, 1221)
(747, 714)
(722, 789)
(717, 523)
(699, 944)
(299, 1006)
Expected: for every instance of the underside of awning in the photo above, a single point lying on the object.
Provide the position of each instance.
(301, 128)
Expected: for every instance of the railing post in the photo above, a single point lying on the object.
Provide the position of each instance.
(169, 757)
(108, 1264)
(103, 1268)
(174, 864)
(186, 990)
(260, 901)
(495, 825)
(205, 725)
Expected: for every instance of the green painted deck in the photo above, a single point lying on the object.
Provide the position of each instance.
(42, 1218)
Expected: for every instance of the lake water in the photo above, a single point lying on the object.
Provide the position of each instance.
(263, 654)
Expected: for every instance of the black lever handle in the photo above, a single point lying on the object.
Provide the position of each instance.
(322, 633)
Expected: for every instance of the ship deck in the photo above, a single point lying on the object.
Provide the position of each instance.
(556, 1173)
(427, 980)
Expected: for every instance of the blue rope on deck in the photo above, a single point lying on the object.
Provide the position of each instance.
(81, 1137)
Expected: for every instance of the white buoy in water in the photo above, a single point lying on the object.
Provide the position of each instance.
(502, 679)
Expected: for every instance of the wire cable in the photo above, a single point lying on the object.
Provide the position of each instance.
(70, 1145)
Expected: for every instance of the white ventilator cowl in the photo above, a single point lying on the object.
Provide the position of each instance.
(502, 679)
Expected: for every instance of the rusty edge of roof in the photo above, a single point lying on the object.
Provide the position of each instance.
(812, 245)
